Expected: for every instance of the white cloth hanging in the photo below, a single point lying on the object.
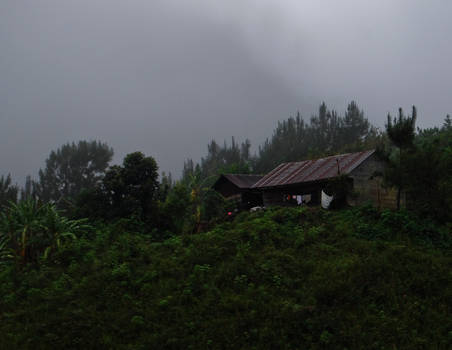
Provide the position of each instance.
(299, 199)
(326, 200)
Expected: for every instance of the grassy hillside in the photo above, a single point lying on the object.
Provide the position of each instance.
(280, 279)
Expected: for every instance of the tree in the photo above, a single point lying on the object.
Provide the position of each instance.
(401, 132)
(447, 126)
(73, 168)
(176, 210)
(227, 158)
(166, 184)
(133, 186)
(141, 179)
(8, 192)
(428, 167)
(326, 133)
(29, 190)
(355, 126)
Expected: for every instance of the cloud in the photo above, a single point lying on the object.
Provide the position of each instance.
(165, 77)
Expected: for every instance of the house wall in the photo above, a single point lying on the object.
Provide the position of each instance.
(245, 198)
(251, 199)
(278, 197)
(228, 189)
(367, 186)
(273, 199)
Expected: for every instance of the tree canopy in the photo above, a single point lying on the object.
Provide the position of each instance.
(326, 133)
(401, 132)
(132, 186)
(73, 168)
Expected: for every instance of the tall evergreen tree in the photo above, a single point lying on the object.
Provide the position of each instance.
(401, 132)
(28, 192)
(428, 167)
(8, 191)
(355, 126)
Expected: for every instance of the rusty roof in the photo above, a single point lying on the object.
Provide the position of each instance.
(241, 180)
(312, 170)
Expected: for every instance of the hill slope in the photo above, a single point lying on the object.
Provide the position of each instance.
(282, 279)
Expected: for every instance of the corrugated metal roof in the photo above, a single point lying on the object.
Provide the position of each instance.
(312, 170)
(243, 180)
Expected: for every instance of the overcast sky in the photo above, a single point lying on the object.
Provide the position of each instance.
(165, 77)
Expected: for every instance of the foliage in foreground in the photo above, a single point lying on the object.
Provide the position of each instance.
(30, 230)
(280, 279)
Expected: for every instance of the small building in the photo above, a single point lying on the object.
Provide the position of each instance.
(306, 181)
(238, 187)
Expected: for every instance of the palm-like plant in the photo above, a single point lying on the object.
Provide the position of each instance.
(58, 229)
(21, 222)
(34, 229)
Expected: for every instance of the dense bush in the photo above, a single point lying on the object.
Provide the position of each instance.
(280, 279)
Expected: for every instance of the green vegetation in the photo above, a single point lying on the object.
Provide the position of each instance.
(284, 278)
(71, 169)
(401, 132)
(8, 191)
(34, 230)
(421, 165)
(112, 258)
(293, 139)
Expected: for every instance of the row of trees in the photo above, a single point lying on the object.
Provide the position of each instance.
(326, 133)
(233, 158)
(69, 170)
(77, 177)
(81, 167)
(78, 181)
(293, 139)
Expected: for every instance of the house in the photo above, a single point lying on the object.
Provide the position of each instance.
(238, 187)
(306, 181)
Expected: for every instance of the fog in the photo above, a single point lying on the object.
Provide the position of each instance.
(165, 77)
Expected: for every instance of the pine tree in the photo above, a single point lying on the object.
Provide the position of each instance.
(28, 192)
(8, 191)
(401, 132)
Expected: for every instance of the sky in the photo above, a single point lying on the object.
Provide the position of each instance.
(165, 77)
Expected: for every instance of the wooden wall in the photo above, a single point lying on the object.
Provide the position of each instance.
(273, 198)
(227, 189)
(368, 187)
(278, 197)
